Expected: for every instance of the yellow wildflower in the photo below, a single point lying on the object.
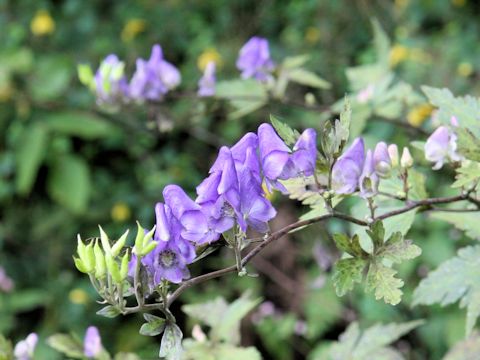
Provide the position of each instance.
(459, 3)
(132, 28)
(398, 54)
(312, 35)
(78, 296)
(401, 4)
(120, 212)
(42, 23)
(465, 69)
(207, 56)
(419, 114)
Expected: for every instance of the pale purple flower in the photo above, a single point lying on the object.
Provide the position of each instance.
(6, 284)
(279, 162)
(254, 59)
(153, 78)
(454, 121)
(92, 343)
(24, 349)
(206, 85)
(381, 159)
(111, 86)
(348, 168)
(368, 181)
(441, 147)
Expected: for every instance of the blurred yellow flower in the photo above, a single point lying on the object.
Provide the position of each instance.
(132, 28)
(208, 55)
(120, 212)
(269, 195)
(398, 54)
(42, 23)
(465, 69)
(401, 4)
(419, 55)
(78, 296)
(312, 35)
(419, 114)
(459, 3)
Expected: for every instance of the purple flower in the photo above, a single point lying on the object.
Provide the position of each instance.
(153, 78)
(368, 179)
(92, 344)
(348, 168)
(110, 83)
(441, 146)
(254, 59)
(25, 348)
(279, 162)
(381, 159)
(206, 85)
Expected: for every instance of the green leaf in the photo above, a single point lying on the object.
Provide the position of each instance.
(6, 350)
(295, 61)
(287, 134)
(468, 144)
(455, 279)
(377, 234)
(466, 109)
(346, 273)
(29, 155)
(109, 311)
(467, 349)
(51, 77)
(154, 325)
(467, 222)
(68, 183)
(85, 74)
(82, 124)
(228, 329)
(308, 78)
(372, 343)
(381, 42)
(67, 345)
(468, 174)
(127, 356)
(350, 246)
(397, 249)
(382, 281)
(171, 345)
(245, 96)
(230, 352)
(210, 312)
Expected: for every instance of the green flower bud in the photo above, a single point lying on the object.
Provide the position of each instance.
(113, 268)
(138, 247)
(406, 161)
(119, 244)
(105, 241)
(124, 266)
(80, 265)
(80, 247)
(89, 260)
(149, 248)
(100, 266)
(148, 236)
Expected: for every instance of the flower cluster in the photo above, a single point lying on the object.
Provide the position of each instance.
(231, 197)
(155, 77)
(356, 169)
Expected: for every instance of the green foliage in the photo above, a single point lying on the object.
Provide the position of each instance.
(67, 345)
(468, 175)
(467, 349)
(372, 343)
(287, 134)
(467, 222)
(171, 345)
(245, 96)
(109, 311)
(380, 277)
(468, 144)
(6, 350)
(154, 325)
(455, 279)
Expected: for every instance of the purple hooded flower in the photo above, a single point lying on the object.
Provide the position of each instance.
(441, 146)
(206, 85)
(348, 168)
(368, 181)
(153, 78)
(169, 259)
(381, 159)
(254, 59)
(110, 83)
(279, 162)
(233, 193)
(92, 344)
(25, 348)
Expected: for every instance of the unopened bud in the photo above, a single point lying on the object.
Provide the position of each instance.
(105, 241)
(119, 244)
(393, 153)
(100, 266)
(406, 161)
